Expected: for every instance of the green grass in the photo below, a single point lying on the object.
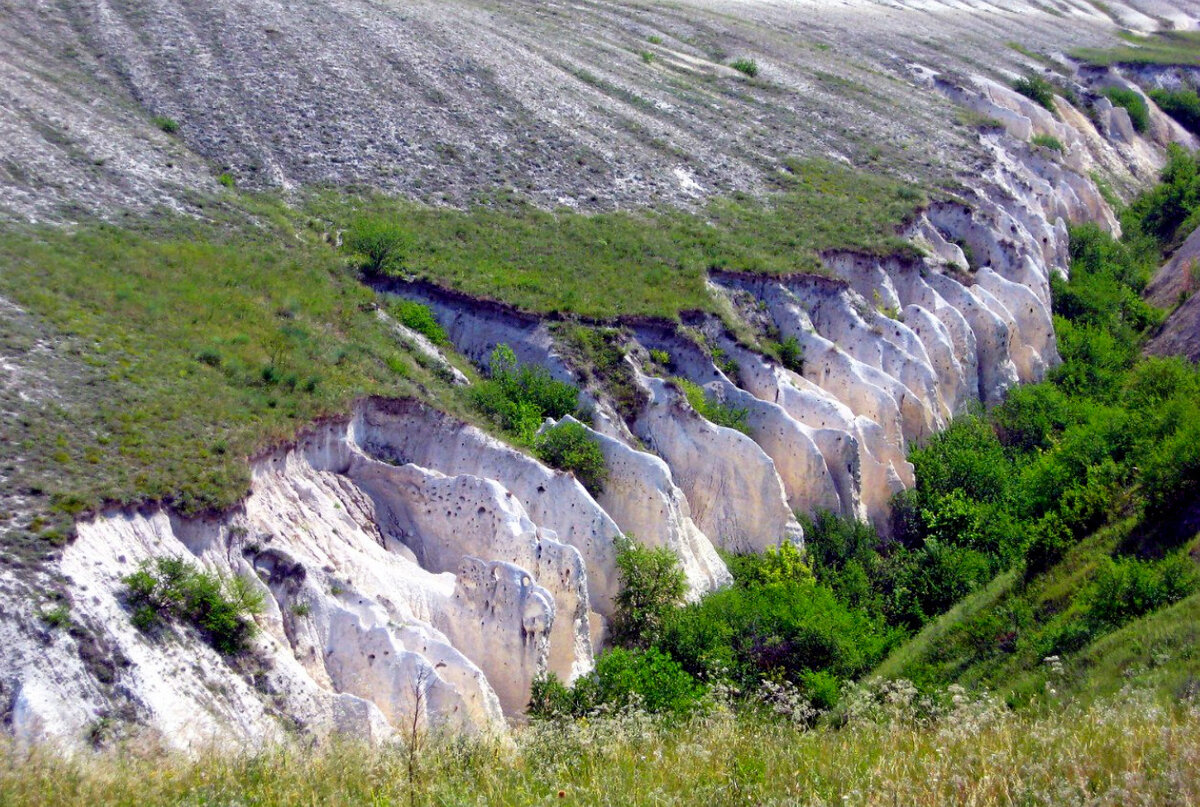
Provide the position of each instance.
(1163, 48)
(196, 346)
(1047, 142)
(641, 263)
(890, 751)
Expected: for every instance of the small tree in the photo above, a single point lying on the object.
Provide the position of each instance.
(569, 447)
(382, 244)
(651, 585)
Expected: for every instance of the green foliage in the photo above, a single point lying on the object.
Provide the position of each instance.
(782, 630)
(644, 262)
(1133, 103)
(652, 584)
(1127, 588)
(1182, 105)
(746, 66)
(168, 125)
(660, 357)
(713, 410)
(569, 447)
(517, 397)
(647, 57)
(791, 354)
(57, 617)
(226, 179)
(781, 564)
(1160, 48)
(598, 354)
(167, 312)
(1048, 142)
(1167, 213)
(170, 588)
(381, 243)
(417, 316)
(1036, 89)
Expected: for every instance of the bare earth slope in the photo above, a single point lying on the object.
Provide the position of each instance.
(584, 104)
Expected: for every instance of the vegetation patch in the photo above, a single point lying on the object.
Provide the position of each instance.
(1036, 89)
(181, 349)
(1046, 141)
(1133, 103)
(711, 409)
(632, 263)
(518, 397)
(171, 589)
(569, 447)
(1182, 105)
(599, 355)
(1169, 48)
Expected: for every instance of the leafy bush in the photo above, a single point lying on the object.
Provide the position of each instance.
(1127, 588)
(420, 318)
(169, 588)
(519, 397)
(168, 125)
(1133, 103)
(778, 630)
(712, 410)
(652, 584)
(1036, 89)
(648, 679)
(1167, 212)
(781, 564)
(1048, 142)
(747, 66)
(380, 243)
(791, 354)
(569, 447)
(1182, 105)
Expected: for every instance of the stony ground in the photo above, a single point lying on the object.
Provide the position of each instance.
(585, 104)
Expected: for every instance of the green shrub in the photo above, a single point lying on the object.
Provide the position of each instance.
(1182, 105)
(169, 588)
(1127, 588)
(778, 630)
(647, 57)
(1036, 89)
(420, 318)
(791, 354)
(1048, 142)
(569, 447)
(712, 410)
(380, 243)
(226, 179)
(966, 457)
(652, 584)
(168, 125)
(747, 66)
(649, 678)
(517, 397)
(773, 565)
(1133, 103)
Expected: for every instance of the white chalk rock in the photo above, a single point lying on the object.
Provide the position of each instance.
(735, 495)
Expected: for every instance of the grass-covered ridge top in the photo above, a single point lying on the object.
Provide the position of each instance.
(1166, 48)
(643, 263)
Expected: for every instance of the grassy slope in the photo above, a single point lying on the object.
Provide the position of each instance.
(643, 263)
(204, 343)
(1166, 48)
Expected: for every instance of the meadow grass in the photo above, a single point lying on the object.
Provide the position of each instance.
(647, 263)
(1163, 48)
(893, 748)
(197, 347)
